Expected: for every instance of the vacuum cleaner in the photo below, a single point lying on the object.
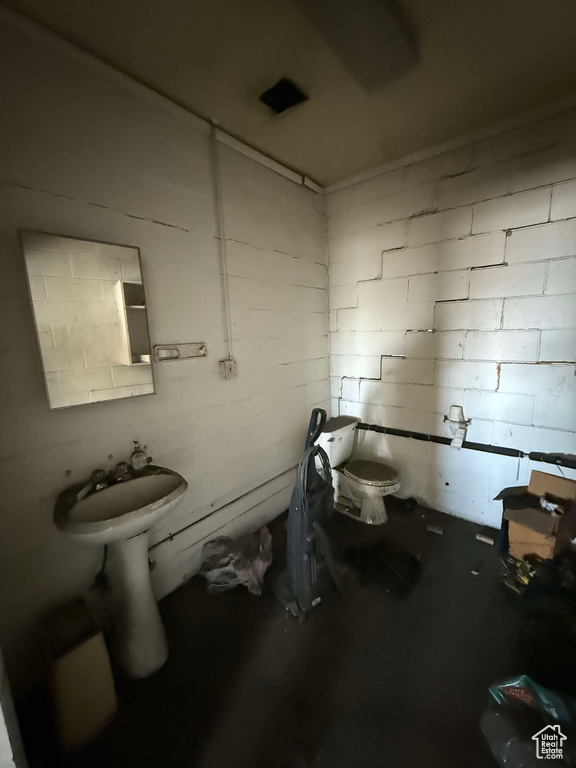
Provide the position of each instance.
(311, 571)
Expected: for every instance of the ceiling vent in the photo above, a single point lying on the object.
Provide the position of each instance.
(283, 95)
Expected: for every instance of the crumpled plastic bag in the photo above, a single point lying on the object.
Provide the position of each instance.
(226, 563)
(519, 712)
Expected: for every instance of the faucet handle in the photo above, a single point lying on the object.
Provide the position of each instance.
(121, 471)
(139, 457)
(98, 479)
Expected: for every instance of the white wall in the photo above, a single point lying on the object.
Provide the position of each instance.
(83, 156)
(479, 246)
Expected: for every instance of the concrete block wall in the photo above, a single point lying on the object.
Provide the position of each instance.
(85, 156)
(453, 281)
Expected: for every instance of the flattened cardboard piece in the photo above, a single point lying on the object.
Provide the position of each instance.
(543, 484)
(511, 492)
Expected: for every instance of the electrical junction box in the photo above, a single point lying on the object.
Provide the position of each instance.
(227, 369)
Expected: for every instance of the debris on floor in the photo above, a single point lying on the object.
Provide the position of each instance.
(395, 571)
(517, 573)
(435, 529)
(485, 539)
(539, 567)
(407, 505)
(226, 562)
(538, 526)
(553, 580)
(284, 682)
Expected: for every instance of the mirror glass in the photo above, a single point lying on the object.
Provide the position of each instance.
(91, 321)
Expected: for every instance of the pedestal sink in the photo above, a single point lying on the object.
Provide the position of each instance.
(121, 516)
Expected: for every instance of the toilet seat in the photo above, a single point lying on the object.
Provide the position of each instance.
(372, 473)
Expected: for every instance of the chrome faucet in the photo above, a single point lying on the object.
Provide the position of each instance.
(100, 478)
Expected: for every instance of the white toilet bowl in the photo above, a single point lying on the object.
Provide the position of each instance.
(359, 485)
(365, 483)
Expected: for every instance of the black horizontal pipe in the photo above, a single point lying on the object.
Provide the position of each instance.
(557, 459)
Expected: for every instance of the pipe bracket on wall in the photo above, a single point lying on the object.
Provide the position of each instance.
(164, 353)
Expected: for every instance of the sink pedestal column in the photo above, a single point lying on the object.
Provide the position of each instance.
(139, 636)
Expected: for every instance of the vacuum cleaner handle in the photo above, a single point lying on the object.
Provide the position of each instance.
(317, 421)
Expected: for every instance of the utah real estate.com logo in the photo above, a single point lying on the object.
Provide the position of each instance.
(549, 743)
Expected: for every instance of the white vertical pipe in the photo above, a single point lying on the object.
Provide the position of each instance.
(222, 237)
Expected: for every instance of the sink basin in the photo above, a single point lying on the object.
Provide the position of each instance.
(120, 517)
(119, 511)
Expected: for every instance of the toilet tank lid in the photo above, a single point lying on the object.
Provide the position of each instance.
(339, 422)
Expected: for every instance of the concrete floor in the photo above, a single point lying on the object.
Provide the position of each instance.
(368, 680)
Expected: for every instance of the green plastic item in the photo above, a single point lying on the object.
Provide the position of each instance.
(523, 690)
(527, 725)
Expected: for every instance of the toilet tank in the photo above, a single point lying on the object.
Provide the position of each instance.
(337, 439)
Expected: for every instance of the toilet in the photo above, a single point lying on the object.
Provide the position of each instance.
(359, 486)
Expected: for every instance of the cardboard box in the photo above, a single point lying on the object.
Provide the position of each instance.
(551, 486)
(82, 686)
(533, 530)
